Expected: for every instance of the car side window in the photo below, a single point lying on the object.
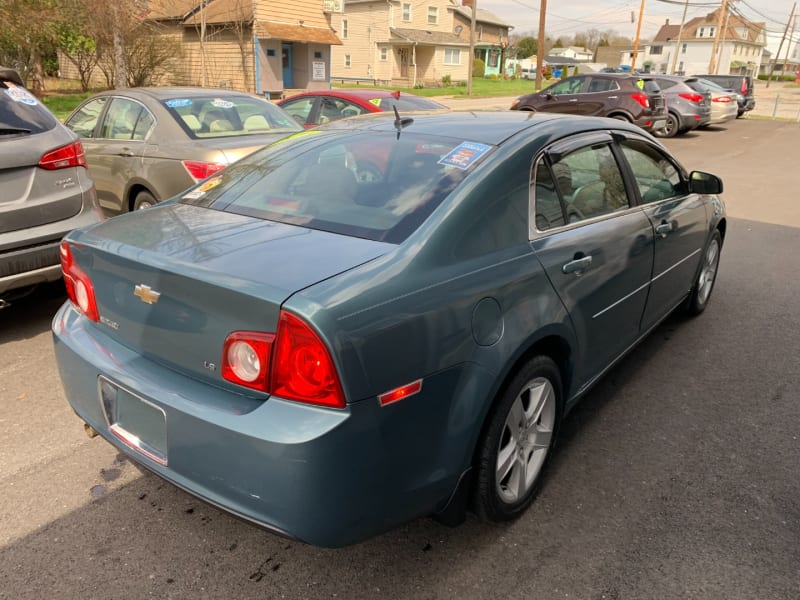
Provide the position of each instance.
(84, 121)
(300, 109)
(596, 183)
(568, 86)
(602, 85)
(121, 120)
(656, 176)
(351, 110)
(548, 207)
(143, 124)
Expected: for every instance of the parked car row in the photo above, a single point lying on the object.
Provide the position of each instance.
(660, 104)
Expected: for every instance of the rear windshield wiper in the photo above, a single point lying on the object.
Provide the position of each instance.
(12, 130)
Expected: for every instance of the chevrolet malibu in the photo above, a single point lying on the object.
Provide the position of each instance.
(328, 355)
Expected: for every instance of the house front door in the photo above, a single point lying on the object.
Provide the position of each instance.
(288, 66)
(405, 61)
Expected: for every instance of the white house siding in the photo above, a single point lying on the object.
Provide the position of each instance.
(696, 58)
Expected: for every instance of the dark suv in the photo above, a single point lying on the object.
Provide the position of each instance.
(46, 189)
(634, 98)
(741, 84)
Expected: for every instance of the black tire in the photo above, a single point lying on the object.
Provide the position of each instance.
(534, 394)
(144, 199)
(706, 278)
(671, 129)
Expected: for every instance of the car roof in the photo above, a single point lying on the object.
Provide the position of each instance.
(364, 94)
(487, 127)
(164, 93)
(11, 75)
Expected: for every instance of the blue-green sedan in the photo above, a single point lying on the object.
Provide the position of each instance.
(384, 318)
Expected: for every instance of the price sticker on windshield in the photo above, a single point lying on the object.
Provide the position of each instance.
(464, 155)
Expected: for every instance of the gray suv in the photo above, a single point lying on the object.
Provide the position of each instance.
(45, 189)
(688, 108)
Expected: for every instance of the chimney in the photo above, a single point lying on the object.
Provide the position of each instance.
(466, 3)
(667, 22)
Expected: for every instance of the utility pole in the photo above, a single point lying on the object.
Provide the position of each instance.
(636, 40)
(680, 35)
(712, 65)
(780, 46)
(540, 45)
(789, 47)
(472, 27)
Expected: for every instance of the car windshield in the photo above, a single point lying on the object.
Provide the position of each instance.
(21, 112)
(373, 185)
(227, 115)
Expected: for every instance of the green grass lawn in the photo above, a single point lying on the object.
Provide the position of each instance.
(63, 104)
(481, 88)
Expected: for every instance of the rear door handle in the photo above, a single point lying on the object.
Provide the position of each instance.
(664, 229)
(125, 152)
(577, 266)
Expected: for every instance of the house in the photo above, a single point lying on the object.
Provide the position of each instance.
(739, 50)
(257, 46)
(619, 56)
(575, 53)
(405, 43)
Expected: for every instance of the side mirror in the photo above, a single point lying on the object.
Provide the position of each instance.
(704, 183)
(548, 95)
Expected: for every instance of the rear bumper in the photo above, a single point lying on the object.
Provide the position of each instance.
(36, 259)
(326, 477)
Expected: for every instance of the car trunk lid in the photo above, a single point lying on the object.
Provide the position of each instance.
(172, 282)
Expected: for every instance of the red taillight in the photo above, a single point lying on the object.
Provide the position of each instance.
(71, 155)
(201, 170)
(79, 287)
(302, 367)
(245, 359)
(721, 99)
(293, 363)
(641, 99)
(691, 97)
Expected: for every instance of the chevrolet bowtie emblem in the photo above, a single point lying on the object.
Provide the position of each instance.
(146, 294)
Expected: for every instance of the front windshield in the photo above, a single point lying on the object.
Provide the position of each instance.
(227, 115)
(365, 184)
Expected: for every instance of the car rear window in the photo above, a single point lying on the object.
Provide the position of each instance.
(650, 86)
(373, 185)
(228, 115)
(407, 103)
(21, 111)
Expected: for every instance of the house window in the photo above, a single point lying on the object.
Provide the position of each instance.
(406, 12)
(344, 29)
(494, 58)
(384, 53)
(452, 56)
(656, 49)
(683, 49)
(712, 32)
(433, 15)
(346, 61)
(701, 32)
(480, 32)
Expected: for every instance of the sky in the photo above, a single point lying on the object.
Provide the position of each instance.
(567, 17)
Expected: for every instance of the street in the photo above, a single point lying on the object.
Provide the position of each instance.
(676, 477)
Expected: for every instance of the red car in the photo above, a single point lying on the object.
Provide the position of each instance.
(313, 108)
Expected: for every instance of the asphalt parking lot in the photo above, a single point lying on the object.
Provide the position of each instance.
(677, 476)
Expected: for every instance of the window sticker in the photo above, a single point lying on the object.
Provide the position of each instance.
(464, 155)
(220, 103)
(20, 94)
(178, 102)
(201, 190)
(640, 84)
(375, 101)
